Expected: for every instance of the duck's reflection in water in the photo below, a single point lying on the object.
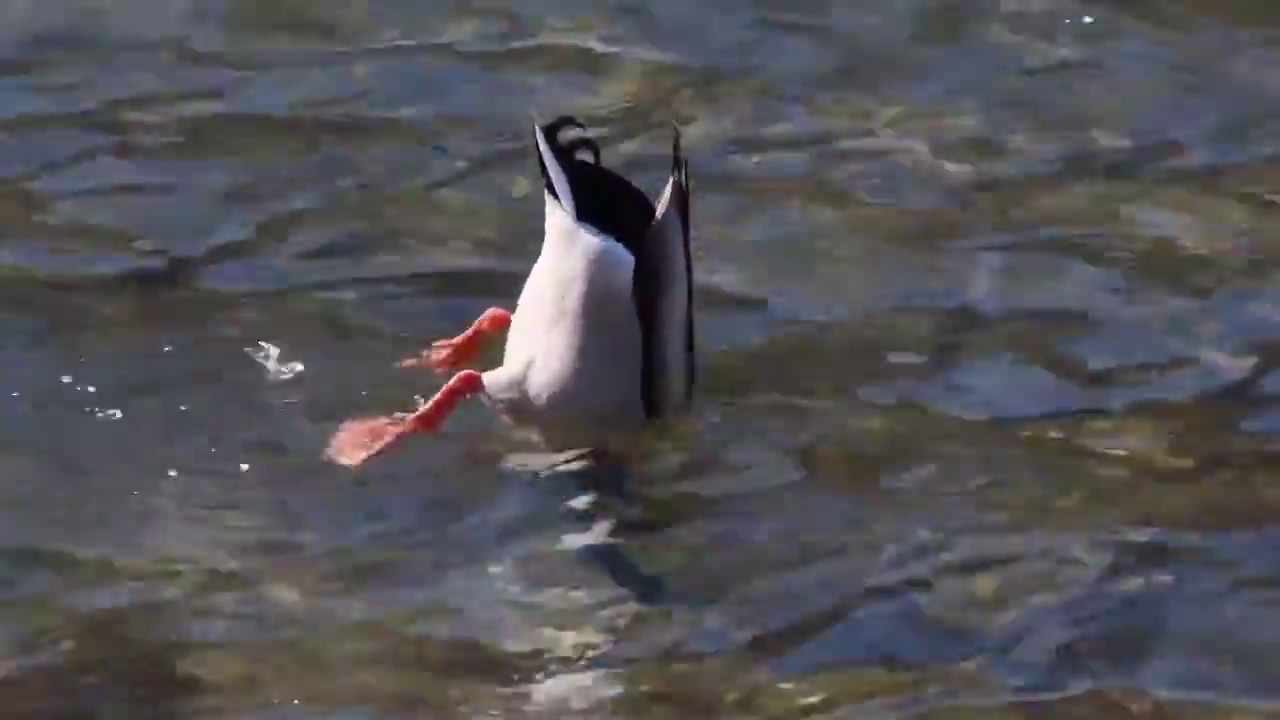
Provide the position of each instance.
(597, 497)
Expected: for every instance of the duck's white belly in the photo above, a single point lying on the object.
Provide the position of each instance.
(575, 336)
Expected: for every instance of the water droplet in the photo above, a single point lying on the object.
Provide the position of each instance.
(244, 467)
(66, 379)
(1087, 19)
(171, 473)
(167, 348)
(108, 413)
(91, 388)
(17, 394)
(182, 407)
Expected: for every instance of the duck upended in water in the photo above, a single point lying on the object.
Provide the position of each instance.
(602, 337)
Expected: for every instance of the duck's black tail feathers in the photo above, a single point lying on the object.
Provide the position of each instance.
(601, 198)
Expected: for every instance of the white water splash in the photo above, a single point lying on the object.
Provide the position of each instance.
(268, 356)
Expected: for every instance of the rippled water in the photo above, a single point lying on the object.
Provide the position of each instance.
(988, 418)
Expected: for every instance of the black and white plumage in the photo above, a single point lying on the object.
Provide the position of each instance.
(602, 337)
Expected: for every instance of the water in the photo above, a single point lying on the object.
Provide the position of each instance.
(988, 335)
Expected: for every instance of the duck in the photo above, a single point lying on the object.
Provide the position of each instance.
(601, 342)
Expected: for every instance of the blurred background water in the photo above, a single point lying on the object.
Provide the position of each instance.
(988, 327)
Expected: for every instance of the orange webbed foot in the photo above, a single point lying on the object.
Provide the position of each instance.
(455, 352)
(360, 439)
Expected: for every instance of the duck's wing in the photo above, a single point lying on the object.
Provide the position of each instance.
(664, 295)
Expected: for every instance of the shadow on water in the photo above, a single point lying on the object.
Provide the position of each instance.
(598, 500)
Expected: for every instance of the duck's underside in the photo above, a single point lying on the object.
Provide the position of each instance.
(602, 338)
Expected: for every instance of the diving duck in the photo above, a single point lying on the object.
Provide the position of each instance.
(601, 341)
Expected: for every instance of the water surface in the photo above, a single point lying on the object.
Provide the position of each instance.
(988, 419)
